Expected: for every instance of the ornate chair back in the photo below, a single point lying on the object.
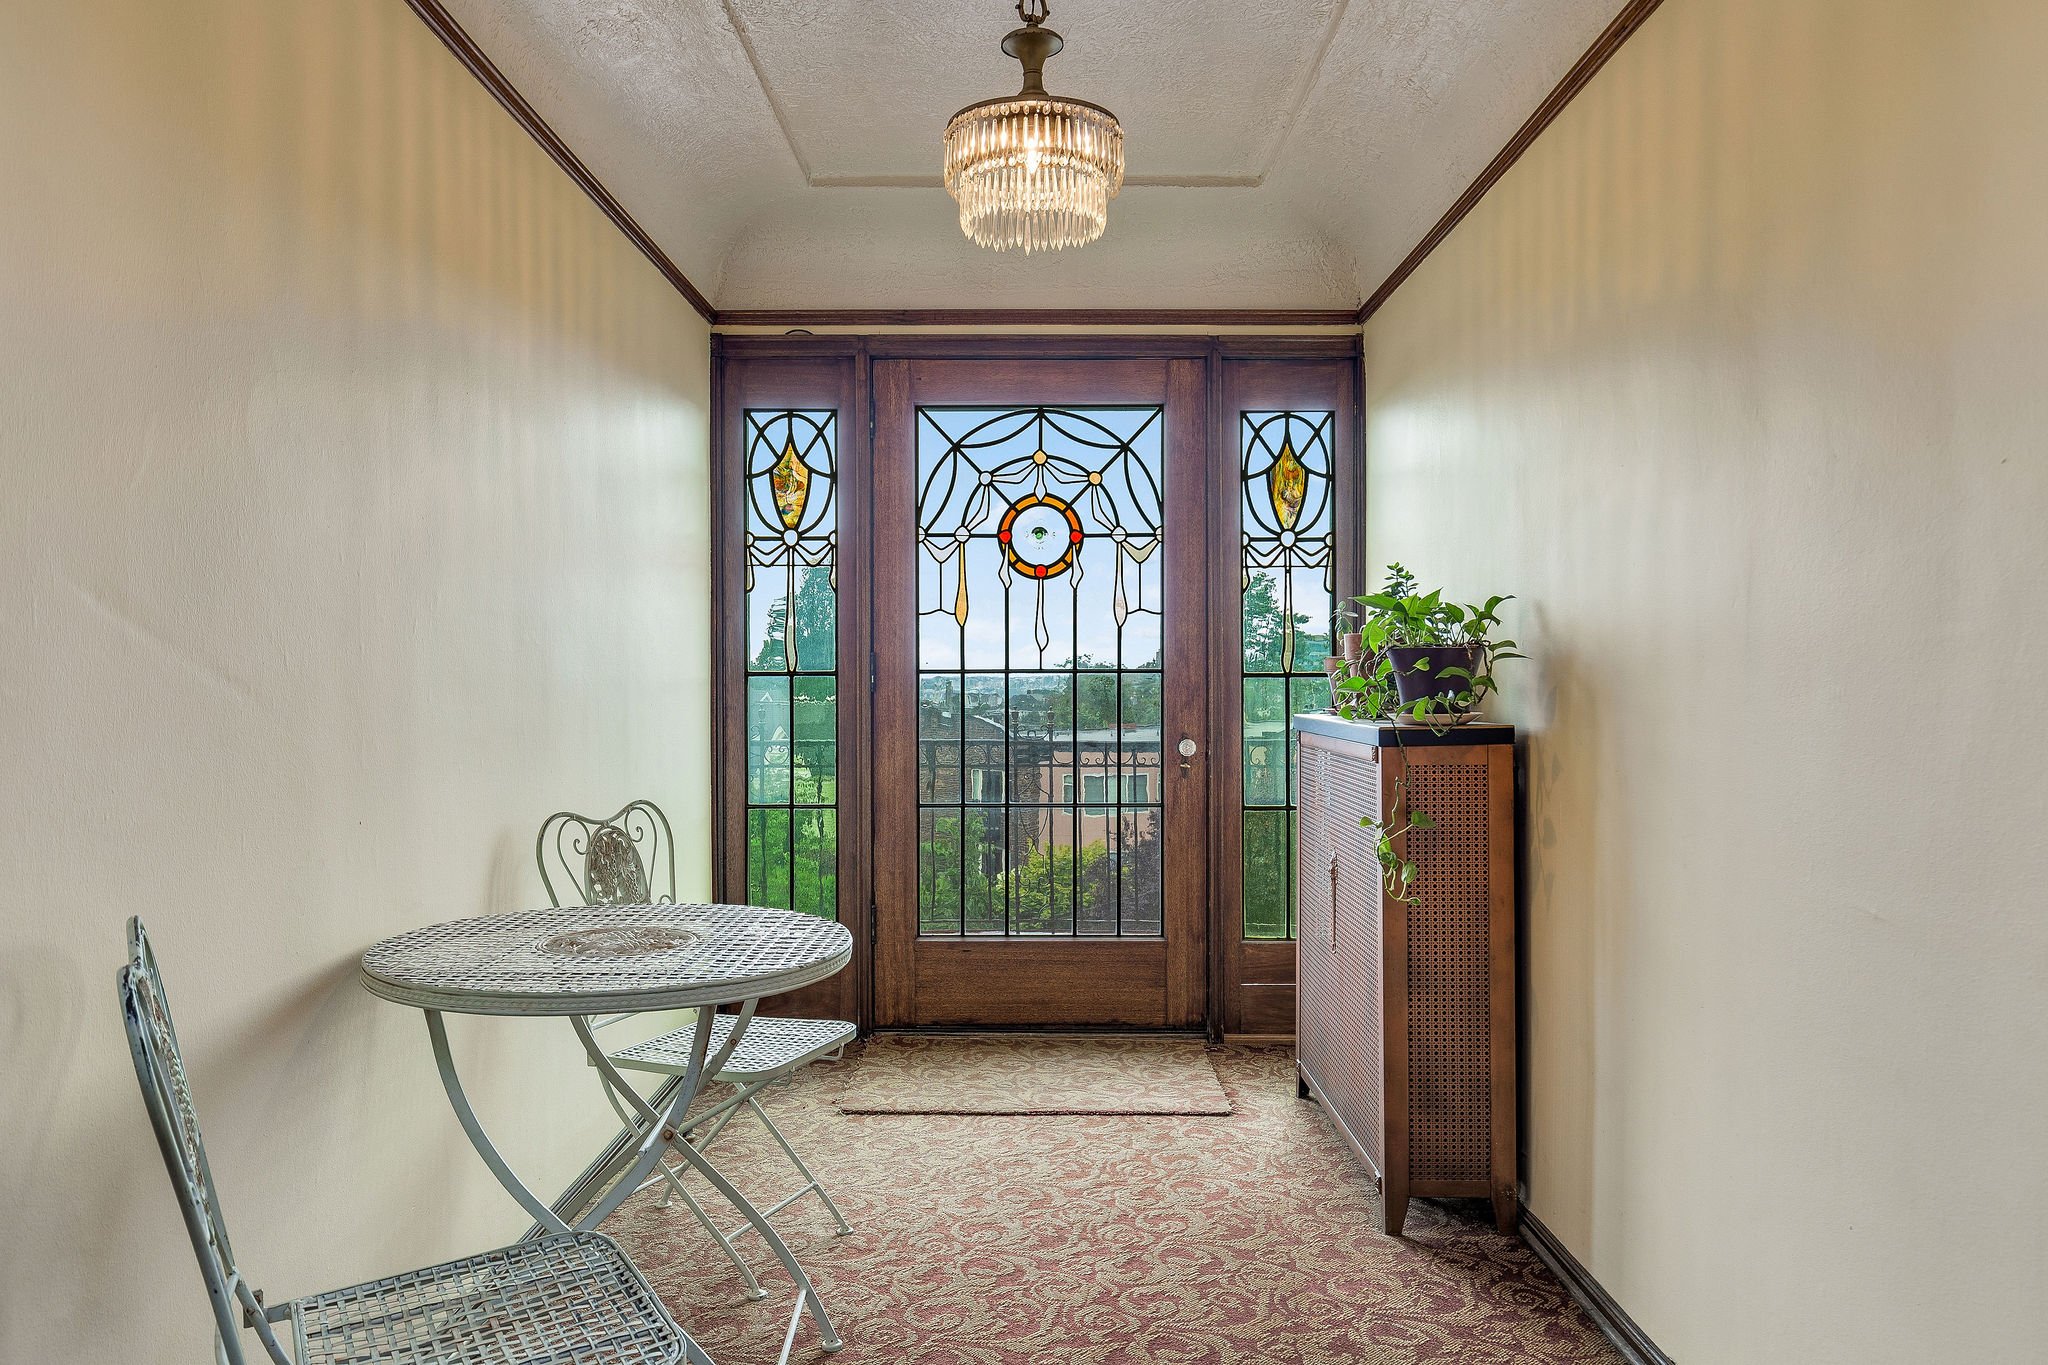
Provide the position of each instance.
(160, 1070)
(623, 859)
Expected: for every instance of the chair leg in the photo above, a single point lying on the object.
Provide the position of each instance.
(718, 1125)
(633, 1122)
(807, 1292)
(796, 1315)
(811, 1181)
(675, 1186)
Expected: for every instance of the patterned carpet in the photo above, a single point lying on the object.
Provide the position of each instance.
(1105, 1240)
(1026, 1074)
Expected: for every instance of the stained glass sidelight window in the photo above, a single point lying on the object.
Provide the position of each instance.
(792, 659)
(1039, 663)
(1285, 509)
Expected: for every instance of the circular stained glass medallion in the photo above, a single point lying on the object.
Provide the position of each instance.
(1041, 535)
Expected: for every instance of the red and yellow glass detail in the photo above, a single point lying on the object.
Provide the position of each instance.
(1040, 535)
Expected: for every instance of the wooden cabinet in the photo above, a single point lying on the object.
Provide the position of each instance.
(1405, 1025)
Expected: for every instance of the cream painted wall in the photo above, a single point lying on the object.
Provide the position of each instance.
(353, 520)
(1738, 380)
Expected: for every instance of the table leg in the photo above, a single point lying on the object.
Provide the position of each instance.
(478, 1138)
(826, 1331)
(602, 1172)
(675, 1186)
(598, 1175)
(662, 1127)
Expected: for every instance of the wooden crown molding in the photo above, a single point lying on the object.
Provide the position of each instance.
(479, 64)
(1094, 344)
(1036, 317)
(1606, 45)
(486, 71)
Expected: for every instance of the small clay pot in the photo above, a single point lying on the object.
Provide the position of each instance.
(1335, 669)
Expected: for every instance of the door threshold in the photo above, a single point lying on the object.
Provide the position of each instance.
(1041, 1030)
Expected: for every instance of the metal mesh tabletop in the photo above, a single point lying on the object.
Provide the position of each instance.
(606, 959)
(560, 1299)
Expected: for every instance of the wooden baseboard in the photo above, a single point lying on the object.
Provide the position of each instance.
(1258, 1039)
(1633, 1343)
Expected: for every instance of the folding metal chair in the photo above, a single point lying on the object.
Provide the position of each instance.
(573, 1297)
(601, 861)
(771, 1050)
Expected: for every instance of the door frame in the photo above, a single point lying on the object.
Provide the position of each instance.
(1235, 987)
(825, 378)
(1253, 980)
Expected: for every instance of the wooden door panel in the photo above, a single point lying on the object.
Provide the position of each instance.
(1042, 982)
(1017, 974)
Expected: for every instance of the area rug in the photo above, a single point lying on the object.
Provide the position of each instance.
(1017, 1074)
(1100, 1239)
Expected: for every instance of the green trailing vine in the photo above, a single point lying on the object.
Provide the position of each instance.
(1398, 874)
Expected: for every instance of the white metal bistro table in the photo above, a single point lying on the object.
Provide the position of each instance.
(615, 959)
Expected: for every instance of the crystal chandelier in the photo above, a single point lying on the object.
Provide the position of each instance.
(1033, 170)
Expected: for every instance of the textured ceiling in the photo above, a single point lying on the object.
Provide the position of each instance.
(876, 130)
(784, 153)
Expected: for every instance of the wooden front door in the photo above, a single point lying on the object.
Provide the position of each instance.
(1041, 743)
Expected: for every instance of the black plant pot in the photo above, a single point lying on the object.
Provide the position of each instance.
(1414, 683)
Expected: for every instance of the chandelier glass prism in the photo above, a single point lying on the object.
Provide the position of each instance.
(1034, 171)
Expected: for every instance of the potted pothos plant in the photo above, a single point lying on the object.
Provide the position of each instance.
(1425, 659)
(1422, 660)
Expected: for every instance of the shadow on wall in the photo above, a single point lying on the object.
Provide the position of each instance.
(319, 142)
(42, 1002)
(1560, 855)
(131, 1204)
(324, 1025)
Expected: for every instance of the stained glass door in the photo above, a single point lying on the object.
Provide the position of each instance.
(1040, 703)
(1038, 716)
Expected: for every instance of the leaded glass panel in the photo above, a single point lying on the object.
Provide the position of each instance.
(1039, 591)
(1288, 545)
(789, 491)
